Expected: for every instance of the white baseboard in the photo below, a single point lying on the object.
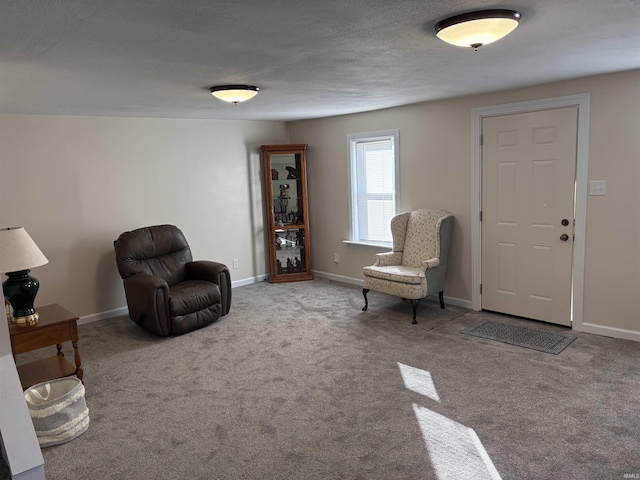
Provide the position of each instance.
(458, 302)
(95, 317)
(248, 281)
(608, 331)
(338, 278)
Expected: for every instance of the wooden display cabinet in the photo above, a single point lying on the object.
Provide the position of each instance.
(285, 168)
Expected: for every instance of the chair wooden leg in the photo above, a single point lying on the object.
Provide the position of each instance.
(414, 304)
(366, 302)
(441, 294)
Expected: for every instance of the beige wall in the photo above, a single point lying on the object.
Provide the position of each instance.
(76, 183)
(435, 171)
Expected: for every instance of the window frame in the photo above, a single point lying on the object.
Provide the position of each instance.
(352, 140)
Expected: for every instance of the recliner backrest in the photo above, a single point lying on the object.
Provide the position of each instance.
(160, 250)
(422, 238)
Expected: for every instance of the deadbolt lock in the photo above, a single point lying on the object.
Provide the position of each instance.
(565, 222)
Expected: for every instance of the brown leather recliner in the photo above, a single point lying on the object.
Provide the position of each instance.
(167, 292)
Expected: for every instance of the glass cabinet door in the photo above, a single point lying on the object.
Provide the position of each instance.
(290, 251)
(286, 185)
(286, 193)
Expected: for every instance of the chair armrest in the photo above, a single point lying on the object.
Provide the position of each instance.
(148, 301)
(215, 272)
(388, 258)
(427, 264)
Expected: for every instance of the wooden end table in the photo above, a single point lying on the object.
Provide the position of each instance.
(55, 326)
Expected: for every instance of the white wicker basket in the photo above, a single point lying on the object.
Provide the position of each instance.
(58, 410)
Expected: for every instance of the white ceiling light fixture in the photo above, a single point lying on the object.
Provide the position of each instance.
(234, 93)
(475, 29)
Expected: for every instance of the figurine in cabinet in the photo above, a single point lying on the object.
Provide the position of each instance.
(283, 199)
(293, 173)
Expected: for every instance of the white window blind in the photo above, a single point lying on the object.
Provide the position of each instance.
(373, 185)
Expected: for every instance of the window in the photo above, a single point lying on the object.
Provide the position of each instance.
(373, 182)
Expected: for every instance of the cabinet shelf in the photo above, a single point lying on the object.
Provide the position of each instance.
(289, 226)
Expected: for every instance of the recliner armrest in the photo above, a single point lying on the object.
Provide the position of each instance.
(215, 272)
(148, 301)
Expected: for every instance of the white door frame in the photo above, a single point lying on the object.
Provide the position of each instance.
(582, 101)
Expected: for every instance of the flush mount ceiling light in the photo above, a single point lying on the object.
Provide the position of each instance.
(475, 29)
(234, 93)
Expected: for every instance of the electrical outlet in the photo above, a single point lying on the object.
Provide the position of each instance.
(336, 258)
(236, 263)
(598, 187)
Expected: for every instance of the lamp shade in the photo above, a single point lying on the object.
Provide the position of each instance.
(234, 93)
(18, 251)
(475, 29)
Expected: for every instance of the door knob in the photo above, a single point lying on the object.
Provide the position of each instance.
(564, 237)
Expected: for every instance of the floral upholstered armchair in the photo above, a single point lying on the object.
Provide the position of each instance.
(417, 265)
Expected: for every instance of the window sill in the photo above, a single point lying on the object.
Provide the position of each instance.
(368, 244)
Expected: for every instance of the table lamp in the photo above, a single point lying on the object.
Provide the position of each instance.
(19, 253)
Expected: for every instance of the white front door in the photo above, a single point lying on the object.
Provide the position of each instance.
(528, 185)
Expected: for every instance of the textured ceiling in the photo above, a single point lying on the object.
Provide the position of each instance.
(310, 58)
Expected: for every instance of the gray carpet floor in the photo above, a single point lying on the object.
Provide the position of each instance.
(298, 383)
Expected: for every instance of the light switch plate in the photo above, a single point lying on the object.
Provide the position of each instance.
(598, 187)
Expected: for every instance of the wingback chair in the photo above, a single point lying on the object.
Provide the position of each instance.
(417, 265)
(168, 293)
